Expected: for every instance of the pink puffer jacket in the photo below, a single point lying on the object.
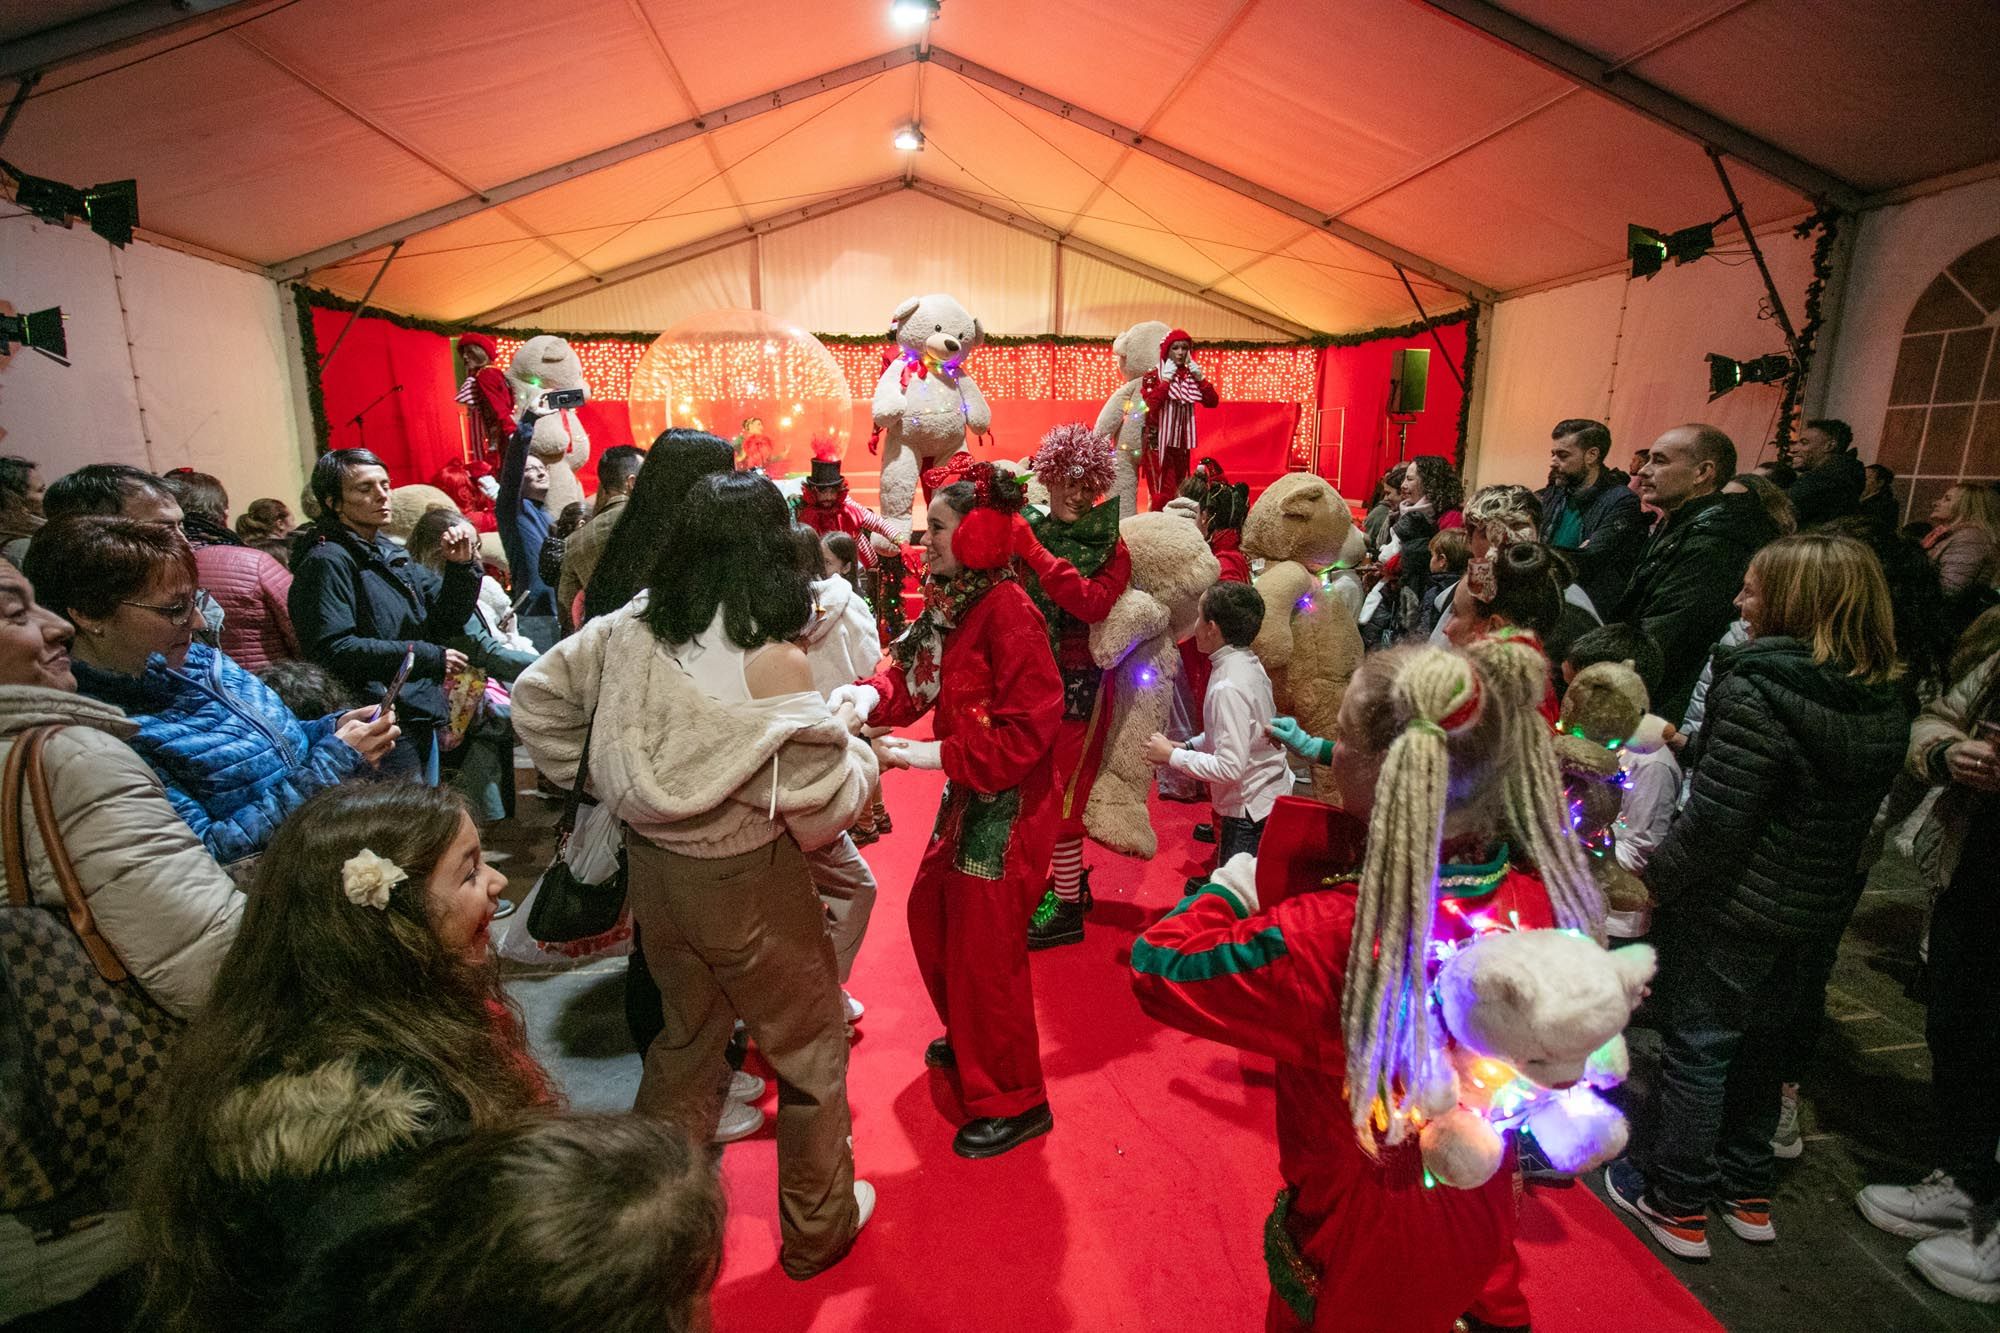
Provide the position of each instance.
(251, 587)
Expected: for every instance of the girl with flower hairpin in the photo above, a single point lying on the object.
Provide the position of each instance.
(357, 1019)
(1445, 757)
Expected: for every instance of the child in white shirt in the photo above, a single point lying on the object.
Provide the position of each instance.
(1244, 768)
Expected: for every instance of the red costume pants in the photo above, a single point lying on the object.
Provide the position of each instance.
(1164, 471)
(1076, 757)
(979, 880)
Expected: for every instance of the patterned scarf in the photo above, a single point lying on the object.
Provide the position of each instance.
(1177, 414)
(919, 650)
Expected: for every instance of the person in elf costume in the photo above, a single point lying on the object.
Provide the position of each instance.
(1445, 757)
(488, 396)
(825, 506)
(1074, 567)
(1172, 390)
(978, 660)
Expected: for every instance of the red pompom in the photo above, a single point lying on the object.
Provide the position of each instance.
(984, 539)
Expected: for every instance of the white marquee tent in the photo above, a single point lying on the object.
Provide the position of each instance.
(1251, 168)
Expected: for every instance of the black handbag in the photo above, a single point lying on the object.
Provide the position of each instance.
(81, 1046)
(566, 908)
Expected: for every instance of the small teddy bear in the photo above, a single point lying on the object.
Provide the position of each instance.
(1137, 643)
(924, 403)
(1536, 1020)
(1309, 644)
(1123, 417)
(541, 365)
(1602, 713)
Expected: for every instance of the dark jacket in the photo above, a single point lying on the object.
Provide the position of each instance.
(1684, 591)
(524, 527)
(233, 759)
(1831, 490)
(1882, 509)
(1613, 536)
(1789, 767)
(356, 604)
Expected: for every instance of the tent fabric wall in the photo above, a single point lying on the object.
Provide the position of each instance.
(1630, 353)
(175, 361)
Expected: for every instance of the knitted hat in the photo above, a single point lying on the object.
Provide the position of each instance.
(1075, 452)
(484, 342)
(1175, 336)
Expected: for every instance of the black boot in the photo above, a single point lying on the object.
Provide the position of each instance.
(1204, 832)
(1055, 922)
(993, 1135)
(940, 1055)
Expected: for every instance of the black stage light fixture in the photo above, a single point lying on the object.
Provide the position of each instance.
(1649, 249)
(111, 209)
(1726, 373)
(42, 330)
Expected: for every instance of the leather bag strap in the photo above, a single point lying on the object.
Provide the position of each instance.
(13, 846)
(80, 918)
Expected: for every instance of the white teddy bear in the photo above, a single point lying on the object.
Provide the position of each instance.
(1123, 417)
(1537, 1019)
(924, 403)
(539, 365)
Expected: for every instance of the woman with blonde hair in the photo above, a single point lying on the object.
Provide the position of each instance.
(1756, 880)
(1445, 757)
(1965, 544)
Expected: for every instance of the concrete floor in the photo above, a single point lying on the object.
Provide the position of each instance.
(1865, 1116)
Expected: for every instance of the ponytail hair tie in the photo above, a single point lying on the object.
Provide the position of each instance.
(1463, 716)
(1427, 726)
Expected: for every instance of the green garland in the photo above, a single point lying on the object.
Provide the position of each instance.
(1828, 223)
(1465, 398)
(302, 306)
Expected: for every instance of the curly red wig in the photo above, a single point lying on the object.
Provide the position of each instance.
(1074, 452)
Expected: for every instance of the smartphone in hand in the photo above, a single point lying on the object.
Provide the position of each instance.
(396, 685)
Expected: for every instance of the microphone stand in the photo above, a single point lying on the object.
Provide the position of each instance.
(359, 424)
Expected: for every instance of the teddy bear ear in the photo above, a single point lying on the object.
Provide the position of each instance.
(905, 310)
(978, 334)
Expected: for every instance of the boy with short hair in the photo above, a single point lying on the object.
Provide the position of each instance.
(1235, 755)
(1652, 779)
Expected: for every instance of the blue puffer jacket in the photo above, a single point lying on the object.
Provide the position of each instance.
(233, 759)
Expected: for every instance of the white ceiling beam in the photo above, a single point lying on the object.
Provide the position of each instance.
(994, 213)
(1607, 79)
(1208, 171)
(107, 30)
(733, 114)
(681, 254)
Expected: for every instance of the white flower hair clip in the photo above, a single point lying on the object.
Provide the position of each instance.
(367, 878)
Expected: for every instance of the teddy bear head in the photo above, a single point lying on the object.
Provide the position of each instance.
(545, 362)
(1603, 708)
(1542, 1001)
(936, 326)
(1298, 517)
(1138, 348)
(1172, 563)
(407, 504)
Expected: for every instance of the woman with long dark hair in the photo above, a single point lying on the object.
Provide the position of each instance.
(358, 1017)
(677, 460)
(707, 738)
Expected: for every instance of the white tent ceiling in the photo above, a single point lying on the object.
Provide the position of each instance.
(1279, 156)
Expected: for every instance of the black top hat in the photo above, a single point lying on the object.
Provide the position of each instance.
(825, 472)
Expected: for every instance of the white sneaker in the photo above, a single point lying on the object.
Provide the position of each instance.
(1931, 1207)
(864, 1204)
(1957, 1267)
(745, 1087)
(1787, 1142)
(738, 1122)
(852, 1007)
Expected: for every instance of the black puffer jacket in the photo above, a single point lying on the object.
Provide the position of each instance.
(1789, 767)
(1684, 591)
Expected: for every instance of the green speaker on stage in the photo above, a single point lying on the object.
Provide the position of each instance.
(1409, 375)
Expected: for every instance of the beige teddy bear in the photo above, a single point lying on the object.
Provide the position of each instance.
(925, 402)
(1171, 568)
(1123, 417)
(540, 365)
(1309, 644)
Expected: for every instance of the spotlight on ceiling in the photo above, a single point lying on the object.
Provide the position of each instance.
(112, 209)
(1650, 249)
(909, 139)
(914, 13)
(1725, 373)
(42, 330)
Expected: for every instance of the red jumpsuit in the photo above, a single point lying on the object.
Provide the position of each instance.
(1168, 444)
(998, 703)
(1080, 601)
(1392, 1255)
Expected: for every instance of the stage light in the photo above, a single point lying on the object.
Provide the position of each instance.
(909, 139)
(914, 13)
(111, 209)
(1649, 249)
(42, 330)
(1726, 373)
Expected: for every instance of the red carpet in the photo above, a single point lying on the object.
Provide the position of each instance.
(1143, 1210)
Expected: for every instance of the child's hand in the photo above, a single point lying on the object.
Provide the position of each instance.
(1159, 750)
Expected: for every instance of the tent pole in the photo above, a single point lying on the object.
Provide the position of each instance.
(355, 318)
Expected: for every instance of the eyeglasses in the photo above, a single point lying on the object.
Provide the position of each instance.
(178, 613)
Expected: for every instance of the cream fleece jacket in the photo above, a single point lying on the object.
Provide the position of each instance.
(686, 772)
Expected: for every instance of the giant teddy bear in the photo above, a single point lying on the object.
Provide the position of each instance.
(1309, 644)
(542, 364)
(1171, 568)
(924, 403)
(1123, 417)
